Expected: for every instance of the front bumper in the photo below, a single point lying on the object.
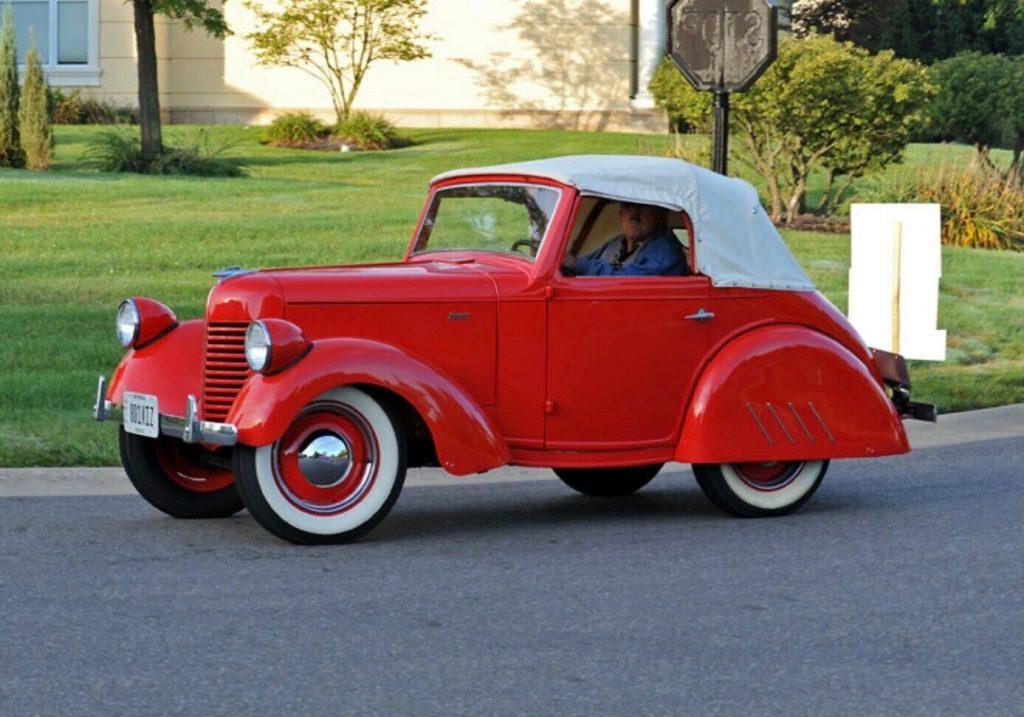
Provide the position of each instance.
(187, 428)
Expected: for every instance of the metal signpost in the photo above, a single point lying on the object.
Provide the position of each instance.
(722, 46)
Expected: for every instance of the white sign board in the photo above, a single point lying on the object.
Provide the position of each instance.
(895, 267)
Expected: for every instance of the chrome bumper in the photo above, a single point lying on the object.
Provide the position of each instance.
(188, 428)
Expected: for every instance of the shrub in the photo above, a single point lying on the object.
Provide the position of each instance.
(688, 110)
(33, 124)
(826, 105)
(294, 129)
(366, 130)
(75, 109)
(10, 146)
(981, 208)
(120, 150)
(969, 104)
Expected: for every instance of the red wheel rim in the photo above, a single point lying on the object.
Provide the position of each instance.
(183, 464)
(356, 472)
(770, 476)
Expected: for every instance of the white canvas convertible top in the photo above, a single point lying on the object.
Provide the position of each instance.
(737, 244)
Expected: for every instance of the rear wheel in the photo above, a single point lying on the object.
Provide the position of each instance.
(180, 479)
(760, 490)
(608, 481)
(332, 476)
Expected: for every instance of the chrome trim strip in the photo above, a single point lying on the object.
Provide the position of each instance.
(760, 425)
(800, 420)
(188, 429)
(778, 419)
(821, 421)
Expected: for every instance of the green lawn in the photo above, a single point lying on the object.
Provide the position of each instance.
(73, 243)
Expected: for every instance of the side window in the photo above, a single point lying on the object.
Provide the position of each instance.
(600, 230)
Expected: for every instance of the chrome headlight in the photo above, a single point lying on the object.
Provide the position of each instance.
(127, 322)
(257, 346)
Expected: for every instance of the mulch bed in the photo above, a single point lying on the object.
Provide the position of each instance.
(812, 223)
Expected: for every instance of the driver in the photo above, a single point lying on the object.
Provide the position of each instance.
(646, 247)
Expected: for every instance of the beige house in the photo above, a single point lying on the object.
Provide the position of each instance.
(494, 63)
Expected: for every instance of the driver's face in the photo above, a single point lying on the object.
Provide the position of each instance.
(639, 221)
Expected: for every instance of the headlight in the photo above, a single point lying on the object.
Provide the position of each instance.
(142, 321)
(127, 323)
(272, 345)
(257, 346)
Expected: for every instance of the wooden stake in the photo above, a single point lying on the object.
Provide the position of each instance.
(897, 261)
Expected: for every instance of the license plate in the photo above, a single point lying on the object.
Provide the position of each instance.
(141, 414)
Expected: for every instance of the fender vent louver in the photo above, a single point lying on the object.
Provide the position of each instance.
(224, 368)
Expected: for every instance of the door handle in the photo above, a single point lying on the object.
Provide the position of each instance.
(701, 316)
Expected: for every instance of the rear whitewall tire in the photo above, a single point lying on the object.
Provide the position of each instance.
(724, 486)
(260, 485)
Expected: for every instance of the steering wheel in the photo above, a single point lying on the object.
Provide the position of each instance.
(534, 245)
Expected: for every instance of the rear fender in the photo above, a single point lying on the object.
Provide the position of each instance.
(788, 393)
(169, 368)
(465, 437)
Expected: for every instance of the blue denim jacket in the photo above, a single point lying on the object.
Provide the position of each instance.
(660, 255)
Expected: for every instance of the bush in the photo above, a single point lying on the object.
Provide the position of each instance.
(75, 109)
(120, 150)
(365, 130)
(33, 124)
(981, 208)
(688, 110)
(969, 104)
(10, 146)
(826, 105)
(294, 129)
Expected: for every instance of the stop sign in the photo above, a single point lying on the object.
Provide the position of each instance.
(722, 45)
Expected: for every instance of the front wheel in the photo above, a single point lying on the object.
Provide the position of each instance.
(608, 482)
(760, 490)
(332, 476)
(180, 479)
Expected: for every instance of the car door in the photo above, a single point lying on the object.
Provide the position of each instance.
(622, 353)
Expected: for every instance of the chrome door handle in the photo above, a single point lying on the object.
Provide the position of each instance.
(701, 316)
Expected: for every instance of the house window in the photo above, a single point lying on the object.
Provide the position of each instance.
(66, 34)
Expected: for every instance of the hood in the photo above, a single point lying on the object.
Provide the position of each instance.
(418, 282)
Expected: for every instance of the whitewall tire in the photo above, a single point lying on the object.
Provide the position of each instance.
(757, 490)
(334, 474)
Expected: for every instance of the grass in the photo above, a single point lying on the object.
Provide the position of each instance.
(73, 243)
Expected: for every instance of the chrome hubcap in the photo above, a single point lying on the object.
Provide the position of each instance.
(326, 459)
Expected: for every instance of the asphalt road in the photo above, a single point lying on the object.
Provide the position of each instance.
(898, 590)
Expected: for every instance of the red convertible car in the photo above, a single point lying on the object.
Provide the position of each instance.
(304, 394)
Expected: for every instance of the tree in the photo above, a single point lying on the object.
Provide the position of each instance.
(970, 103)
(337, 41)
(33, 123)
(826, 105)
(1013, 111)
(193, 13)
(927, 30)
(10, 146)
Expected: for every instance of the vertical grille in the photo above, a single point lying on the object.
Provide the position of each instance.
(224, 369)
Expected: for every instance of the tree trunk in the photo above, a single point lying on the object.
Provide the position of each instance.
(1016, 172)
(981, 158)
(149, 97)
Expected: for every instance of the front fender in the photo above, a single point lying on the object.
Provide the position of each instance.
(169, 368)
(788, 393)
(464, 436)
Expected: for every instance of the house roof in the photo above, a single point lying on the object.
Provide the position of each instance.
(737, 244)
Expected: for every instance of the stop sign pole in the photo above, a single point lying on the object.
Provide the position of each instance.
(722, 46)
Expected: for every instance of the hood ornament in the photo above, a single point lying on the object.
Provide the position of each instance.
(231, 272)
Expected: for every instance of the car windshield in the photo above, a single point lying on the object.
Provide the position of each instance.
(502, 218)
